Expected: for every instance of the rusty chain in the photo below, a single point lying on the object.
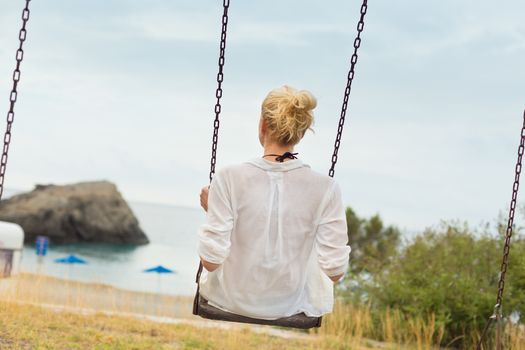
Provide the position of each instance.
(348, 89)
(216, 124)
(13, 96)
(512, 209)
(218, 92)
(497, 315)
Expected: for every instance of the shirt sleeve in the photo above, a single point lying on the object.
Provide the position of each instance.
(214, 235)
(332, 235)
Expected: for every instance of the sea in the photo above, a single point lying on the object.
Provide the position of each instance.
(172, 231)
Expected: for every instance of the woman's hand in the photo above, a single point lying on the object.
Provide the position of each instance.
(204, 197)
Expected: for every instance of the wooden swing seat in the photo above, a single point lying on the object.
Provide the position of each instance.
(205, 310)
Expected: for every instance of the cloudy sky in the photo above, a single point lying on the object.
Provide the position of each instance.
(123, 90)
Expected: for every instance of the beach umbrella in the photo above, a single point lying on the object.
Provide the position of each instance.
(159, 269)
(71, 259)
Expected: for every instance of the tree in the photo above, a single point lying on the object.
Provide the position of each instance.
(373, 244)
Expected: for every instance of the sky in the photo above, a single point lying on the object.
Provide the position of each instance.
(124, 91)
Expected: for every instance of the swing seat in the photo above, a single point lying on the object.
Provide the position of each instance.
(205, 310)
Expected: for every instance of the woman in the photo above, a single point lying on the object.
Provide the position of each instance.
(276, 232)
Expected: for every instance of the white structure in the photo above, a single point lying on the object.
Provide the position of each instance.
(11, 245)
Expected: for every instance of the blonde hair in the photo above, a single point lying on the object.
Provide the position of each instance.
(288, 114)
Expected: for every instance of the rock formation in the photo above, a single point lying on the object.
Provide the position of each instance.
(83, 212)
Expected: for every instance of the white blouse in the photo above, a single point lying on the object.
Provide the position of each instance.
(278, 230)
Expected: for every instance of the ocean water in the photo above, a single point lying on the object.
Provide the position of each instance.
(172, 231)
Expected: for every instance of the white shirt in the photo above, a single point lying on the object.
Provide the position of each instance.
(278, 230)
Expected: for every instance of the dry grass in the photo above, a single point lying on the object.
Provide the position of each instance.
(39, 289)
(26, 326)
(515, 337)
(355, 323)
(31, 327)
(90, 316)
(398, 331)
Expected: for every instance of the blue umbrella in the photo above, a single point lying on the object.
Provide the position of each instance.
(72, 259)
(159, 269)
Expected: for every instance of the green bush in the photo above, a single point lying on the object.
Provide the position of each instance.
(453, 273)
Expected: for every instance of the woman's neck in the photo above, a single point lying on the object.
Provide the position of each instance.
(276, 149)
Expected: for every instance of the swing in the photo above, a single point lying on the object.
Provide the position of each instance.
(201, 306)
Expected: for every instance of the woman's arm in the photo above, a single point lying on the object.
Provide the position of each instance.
(214, 235)
(204, 197)
(209, 266)
(337, 278)
(204, 204)
(332, 237)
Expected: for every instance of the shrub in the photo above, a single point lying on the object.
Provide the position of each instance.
(452, 273)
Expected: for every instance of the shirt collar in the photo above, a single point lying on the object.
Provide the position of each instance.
(277, 166)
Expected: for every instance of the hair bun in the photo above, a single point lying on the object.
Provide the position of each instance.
(288, 113)
(303, 100)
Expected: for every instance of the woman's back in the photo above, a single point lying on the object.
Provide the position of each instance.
(278, 230)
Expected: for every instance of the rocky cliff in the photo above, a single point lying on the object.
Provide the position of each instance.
(83, 212)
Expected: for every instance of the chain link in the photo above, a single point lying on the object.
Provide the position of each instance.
(216, 125)
(13, 96)
(512, 210)
(218, 92)
(497, 315)
(348, 89)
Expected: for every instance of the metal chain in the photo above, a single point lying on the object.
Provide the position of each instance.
(353, 61)
(218, 92)
(506, 248)
(13, 96)
(216, 125)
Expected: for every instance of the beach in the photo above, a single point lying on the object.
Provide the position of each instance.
(172, 231)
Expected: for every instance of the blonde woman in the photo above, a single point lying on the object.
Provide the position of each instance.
(275, 236)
